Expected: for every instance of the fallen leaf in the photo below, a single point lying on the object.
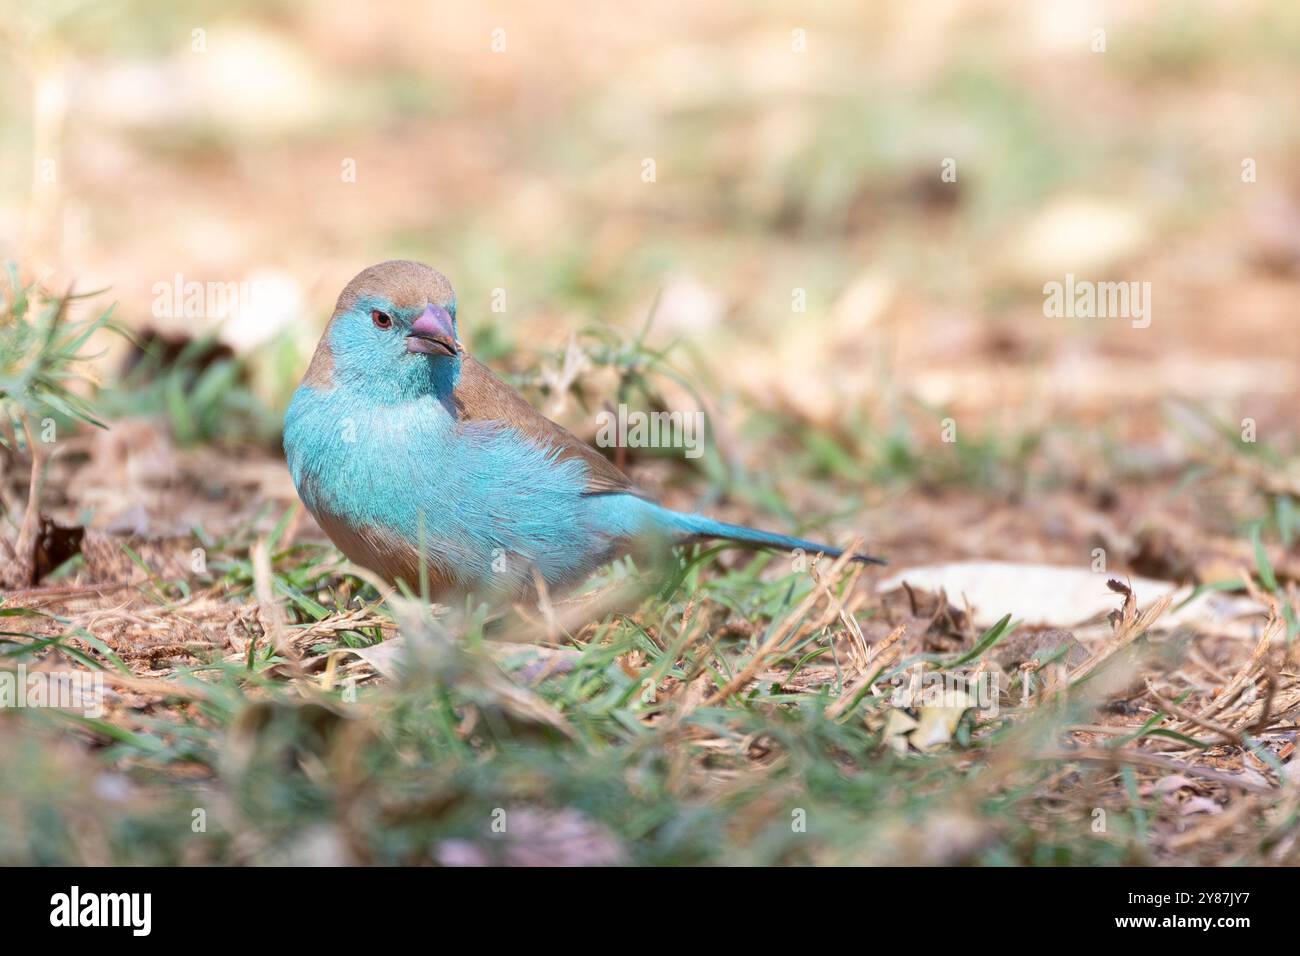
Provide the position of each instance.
(898, 724)
(936, 725)
(1064, 596)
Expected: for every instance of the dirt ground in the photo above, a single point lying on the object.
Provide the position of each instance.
(866, 336)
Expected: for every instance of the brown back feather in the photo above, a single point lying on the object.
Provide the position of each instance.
(481, 396)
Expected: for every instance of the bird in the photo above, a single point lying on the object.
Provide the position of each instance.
(424, 467)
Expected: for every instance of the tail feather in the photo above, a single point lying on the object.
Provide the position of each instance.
(698, 526)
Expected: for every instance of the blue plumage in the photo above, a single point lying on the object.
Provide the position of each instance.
(417, 461)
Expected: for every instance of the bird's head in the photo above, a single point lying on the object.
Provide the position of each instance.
(393, 333)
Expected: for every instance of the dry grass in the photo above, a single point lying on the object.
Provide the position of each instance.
(736, 709)
(1178, 737)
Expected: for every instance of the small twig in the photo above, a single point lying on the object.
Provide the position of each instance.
(1227, 733)
(858, 642)
(1272, 629)
(788, 625)
(1091, 755)
(269, 612)
(29, 529)
(1131, 626)
(867, 675)
(1259, 726)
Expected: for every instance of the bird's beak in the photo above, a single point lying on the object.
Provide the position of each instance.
(433, 333)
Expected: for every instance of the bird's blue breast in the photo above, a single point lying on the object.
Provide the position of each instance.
(481, 502)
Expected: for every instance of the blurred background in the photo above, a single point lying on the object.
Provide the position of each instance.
(843, 215)
(830, 226)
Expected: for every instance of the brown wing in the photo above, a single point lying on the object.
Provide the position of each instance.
(481, 396)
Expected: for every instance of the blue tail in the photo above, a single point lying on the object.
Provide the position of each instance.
(698, 526)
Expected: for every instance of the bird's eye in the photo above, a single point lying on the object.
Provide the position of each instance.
(382, 320)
